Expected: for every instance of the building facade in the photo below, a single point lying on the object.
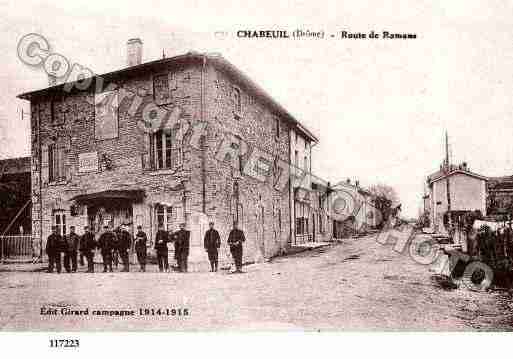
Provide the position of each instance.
(15, 196)
(467, 192)
(499, 196)
(355, 205)
(183, 139)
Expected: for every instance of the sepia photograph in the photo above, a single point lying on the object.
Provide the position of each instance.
(284, 167)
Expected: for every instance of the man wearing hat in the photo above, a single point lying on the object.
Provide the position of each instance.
(106, 244)
(161, 239)
(140, 247)
(53, 250)
(71, 250)
(212, 242)
(235, 240)
(87, 246)
(182, 238)
(124, 244)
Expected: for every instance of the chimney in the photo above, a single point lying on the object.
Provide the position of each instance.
(134, 51)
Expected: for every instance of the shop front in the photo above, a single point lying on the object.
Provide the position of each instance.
(112, 208)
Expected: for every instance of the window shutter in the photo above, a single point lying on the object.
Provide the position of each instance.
(147, 156)
(67, 165)
(44, 165)
(176, 148)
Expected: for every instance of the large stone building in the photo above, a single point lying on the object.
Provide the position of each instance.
(188, 138)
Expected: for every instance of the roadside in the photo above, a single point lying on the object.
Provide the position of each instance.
(356, 285)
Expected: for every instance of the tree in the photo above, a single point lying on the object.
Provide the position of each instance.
(387, 192)
(385, 200)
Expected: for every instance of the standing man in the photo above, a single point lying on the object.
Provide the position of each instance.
(106, 244)
(115, 247)
(212, 242)
(235, 240)
(161, 240)
(53, 250)
(140, 247)
(71, 250)
(183, 242)
(87, 246)
(124, 243)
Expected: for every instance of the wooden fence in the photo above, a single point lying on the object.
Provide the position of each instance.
(16, 248)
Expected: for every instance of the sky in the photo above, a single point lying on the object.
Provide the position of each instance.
(380, 108)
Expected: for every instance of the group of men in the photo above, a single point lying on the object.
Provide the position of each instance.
(111, 244)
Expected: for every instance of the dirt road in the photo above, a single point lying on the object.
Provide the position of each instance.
(356, 285)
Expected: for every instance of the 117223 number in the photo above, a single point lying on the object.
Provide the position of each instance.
(64, 343)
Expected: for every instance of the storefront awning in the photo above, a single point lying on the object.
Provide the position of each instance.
(127, 195)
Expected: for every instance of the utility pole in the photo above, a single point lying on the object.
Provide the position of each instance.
(448, 182)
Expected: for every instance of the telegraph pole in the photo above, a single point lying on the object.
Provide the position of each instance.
(448, 182)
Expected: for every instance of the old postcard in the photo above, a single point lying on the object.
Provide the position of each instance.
(276, 166)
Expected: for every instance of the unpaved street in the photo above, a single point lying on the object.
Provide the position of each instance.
(357, 285)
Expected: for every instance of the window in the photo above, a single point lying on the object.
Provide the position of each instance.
(238, 214)
(237, 104)
(277, 126)
(58, 111)
(106, 118)
(161, 91)
(296, 159)
(55, 163)
(166, 153)
(321, 223)
(306, 144)
(302, 214)
(165, 216)
(296, 137)
(60, 222)
(305, 164)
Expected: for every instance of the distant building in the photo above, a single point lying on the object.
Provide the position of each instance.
(356, 205)
(467, 192)
(15, 209)
(500, 195)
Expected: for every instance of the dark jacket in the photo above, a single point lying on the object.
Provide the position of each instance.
(87, 242)
(182, 242)
(72, 240)
(161, 240)
(124, 240)
(54, 244)
(236, 237)
(212, 241)
(106, 242)
(140, 242)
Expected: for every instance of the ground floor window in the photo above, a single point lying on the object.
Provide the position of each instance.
(322, 224)
(302, 215)
(60, 222)
(164, 216)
